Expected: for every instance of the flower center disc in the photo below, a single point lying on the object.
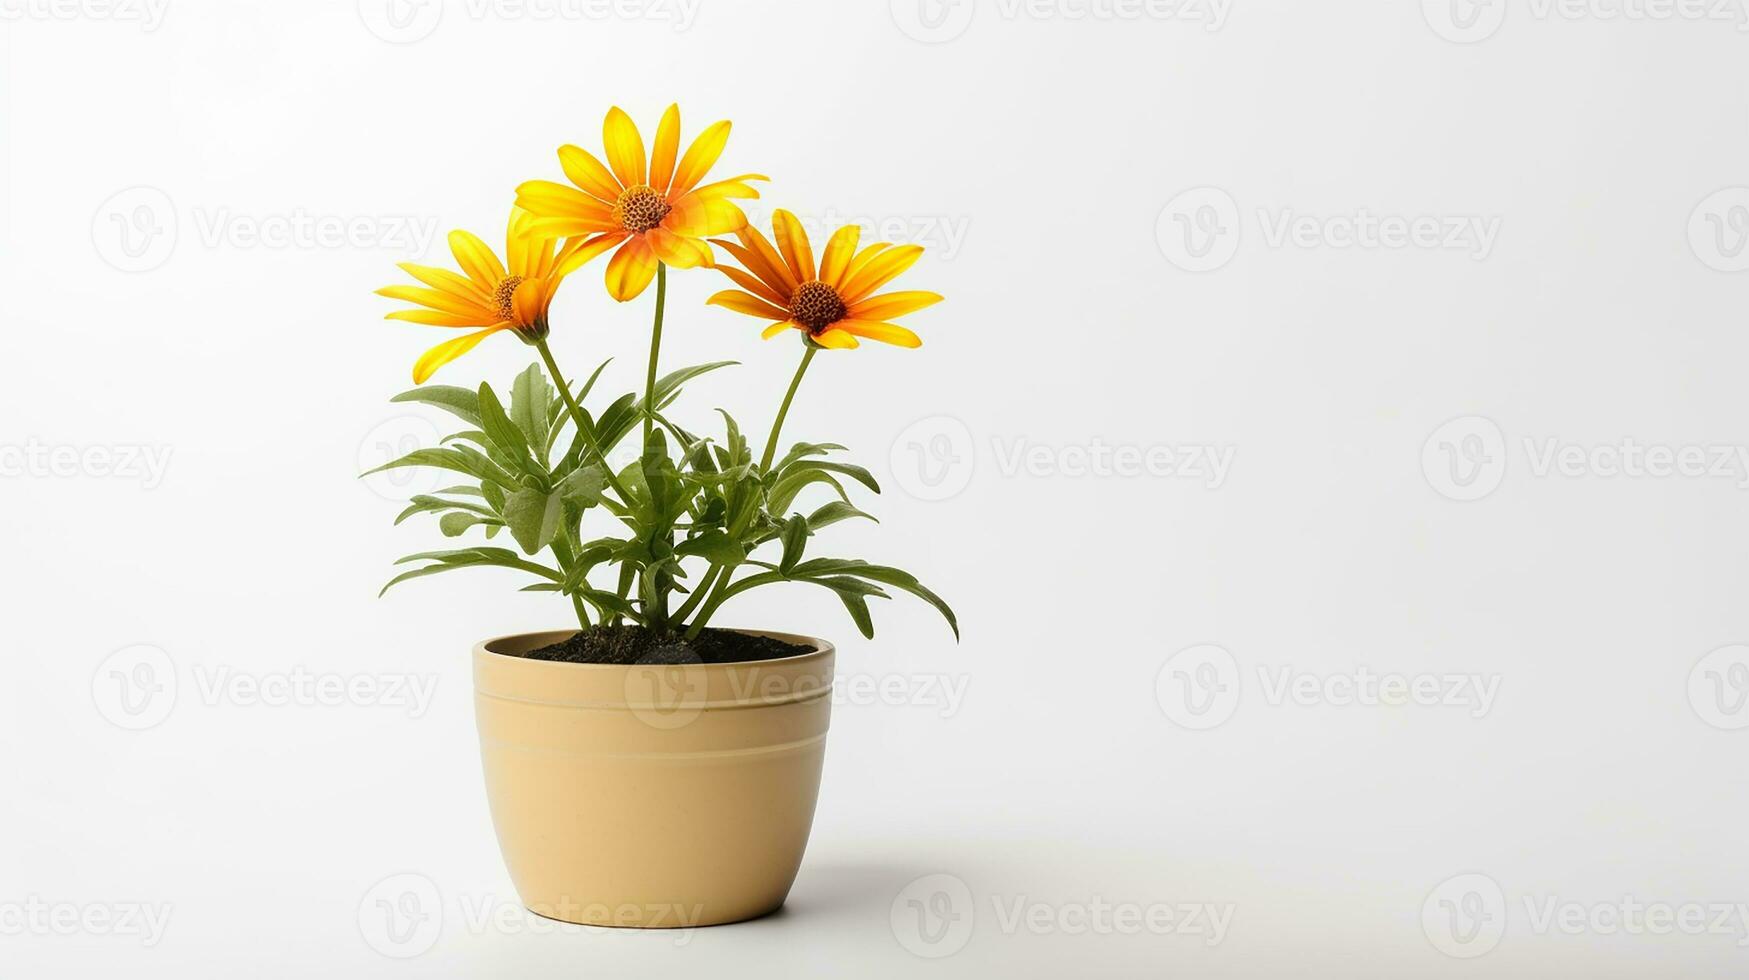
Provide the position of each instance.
(640, 208)
(506, 297)
(816, 306)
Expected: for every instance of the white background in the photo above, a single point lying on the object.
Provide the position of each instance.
(1044, 159)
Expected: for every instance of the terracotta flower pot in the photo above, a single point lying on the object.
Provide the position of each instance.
(651, 796)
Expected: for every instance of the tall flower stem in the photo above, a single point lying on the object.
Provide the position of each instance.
(584, 430)
(655, 352)
(658, 617)
(783, 411)
(720, 574)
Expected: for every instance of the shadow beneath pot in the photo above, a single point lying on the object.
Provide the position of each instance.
(844, 890)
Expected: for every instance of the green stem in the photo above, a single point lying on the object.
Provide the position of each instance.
(740, 527)
(562, 552)
(655, 352)
(657, 617)
(584, 430)
(698, 594)
(783, 410)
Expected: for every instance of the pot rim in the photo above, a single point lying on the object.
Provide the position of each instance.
(822, 649)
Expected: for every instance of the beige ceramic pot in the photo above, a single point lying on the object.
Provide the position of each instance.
(651, 796)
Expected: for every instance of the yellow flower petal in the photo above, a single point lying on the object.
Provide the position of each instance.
(630, 270)
(530, 301)
(753, 284)
(747, 303)
(448, 351)
(667, 147)
(833, 338)
(699, 158)
(587, 172)
(699, 217)
(678, 251)
(792, 240)
(435, 299)
(864, 257)
(625, 148)
(547, 199)
(880, 271)
(839, 251)
(568, 227)
(478, 261)
(732, 187)
(447, 281)
(757, 255)
(886, 333)
(433, 318)
(889, 305)
(777, 328)
(579, 251)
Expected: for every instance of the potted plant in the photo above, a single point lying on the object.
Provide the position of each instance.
(648, 768)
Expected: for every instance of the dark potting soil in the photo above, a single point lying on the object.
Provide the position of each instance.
(640, 645)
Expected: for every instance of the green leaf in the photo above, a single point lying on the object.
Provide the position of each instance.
(531, 399)
(858, 608)
(784, 493)
(668, 386)
(795, 539)
(459, 402)
(899, 579)
(505, 435)
(834, 512)
(856, 473)
(804, 449)
(715, 545)
(456, 523)
(459, 459)
(586, 485)
(534, 518)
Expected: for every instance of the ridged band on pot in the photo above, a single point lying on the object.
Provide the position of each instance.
(647, 795)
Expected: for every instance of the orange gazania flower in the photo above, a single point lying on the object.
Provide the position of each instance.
(489, 295)
(832, 305)
(661, 214)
